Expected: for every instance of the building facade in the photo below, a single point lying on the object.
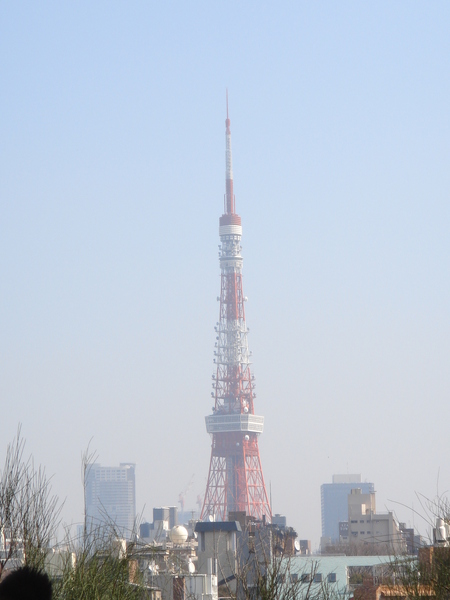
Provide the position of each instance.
(110, 497)
(366, 526)
(335, 504)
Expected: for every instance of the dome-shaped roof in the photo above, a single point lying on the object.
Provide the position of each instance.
(178, 534)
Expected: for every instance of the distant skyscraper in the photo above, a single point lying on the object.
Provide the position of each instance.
(110, 494)
(334, 498)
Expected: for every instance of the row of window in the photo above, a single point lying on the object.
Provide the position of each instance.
(367, 521)
(317, 578)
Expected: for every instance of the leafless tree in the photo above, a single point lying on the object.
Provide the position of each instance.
(266, 570)
(29, 512)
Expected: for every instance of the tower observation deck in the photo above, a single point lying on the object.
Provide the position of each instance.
(235, 480)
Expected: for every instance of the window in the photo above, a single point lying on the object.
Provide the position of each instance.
(305, 577)
(331, 577)
(318, 578)
(231, 541)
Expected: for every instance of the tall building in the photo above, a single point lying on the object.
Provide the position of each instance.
(110, 496)
(334, 499)
(235, 480)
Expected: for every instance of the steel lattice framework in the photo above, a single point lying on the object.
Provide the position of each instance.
(235, 480)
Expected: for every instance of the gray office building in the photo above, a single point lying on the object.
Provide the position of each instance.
(334, 502)
(110, 494)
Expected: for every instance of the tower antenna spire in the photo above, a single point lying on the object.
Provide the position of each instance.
(229, 205)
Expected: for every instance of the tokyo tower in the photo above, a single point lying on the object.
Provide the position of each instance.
(235, 480)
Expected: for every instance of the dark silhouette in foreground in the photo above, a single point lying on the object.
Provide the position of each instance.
(26, 584)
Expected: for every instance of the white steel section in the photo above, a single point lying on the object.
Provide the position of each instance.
(241, 422)
(231, 263)
(232, 345)
(230, 230)
(230, 253)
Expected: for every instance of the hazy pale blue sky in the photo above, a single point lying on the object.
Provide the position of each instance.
(111, 186)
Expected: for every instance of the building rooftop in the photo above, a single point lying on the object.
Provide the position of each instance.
(217, 526)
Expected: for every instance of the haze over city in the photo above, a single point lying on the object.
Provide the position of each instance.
(112, 177)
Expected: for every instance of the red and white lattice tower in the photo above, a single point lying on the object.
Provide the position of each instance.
(235, 480)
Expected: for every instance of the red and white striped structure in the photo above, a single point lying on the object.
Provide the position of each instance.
(235, 480)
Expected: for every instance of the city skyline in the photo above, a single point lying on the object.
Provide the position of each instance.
(111, 180)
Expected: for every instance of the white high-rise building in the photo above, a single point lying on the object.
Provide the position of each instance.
(110, 495)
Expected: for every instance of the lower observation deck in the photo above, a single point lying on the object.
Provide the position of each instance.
(240, 422)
